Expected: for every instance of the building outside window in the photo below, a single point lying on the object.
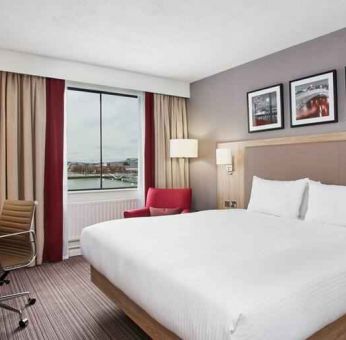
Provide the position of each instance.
(102, 140)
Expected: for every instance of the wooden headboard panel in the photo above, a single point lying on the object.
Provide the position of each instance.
(323, 161)
(319, 157)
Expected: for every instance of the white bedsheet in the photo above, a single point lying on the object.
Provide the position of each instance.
(226, 274)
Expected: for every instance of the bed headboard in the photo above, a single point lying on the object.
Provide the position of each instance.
(319, 157)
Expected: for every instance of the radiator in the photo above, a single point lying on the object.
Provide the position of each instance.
(82, 214)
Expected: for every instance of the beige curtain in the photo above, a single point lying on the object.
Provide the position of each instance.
(22, 143)
(170, 123)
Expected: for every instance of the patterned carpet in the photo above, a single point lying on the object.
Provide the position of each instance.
(68, 306)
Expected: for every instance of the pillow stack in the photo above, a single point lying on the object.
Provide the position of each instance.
(301, 199)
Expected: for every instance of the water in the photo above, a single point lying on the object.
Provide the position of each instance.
(94, 183)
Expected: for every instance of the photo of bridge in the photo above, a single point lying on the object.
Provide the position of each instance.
(312, 100)
(264, 109)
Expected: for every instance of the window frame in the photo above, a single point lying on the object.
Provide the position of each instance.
(101, 92)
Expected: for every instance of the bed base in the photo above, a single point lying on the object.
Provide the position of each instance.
(333, 331)
(149, 325)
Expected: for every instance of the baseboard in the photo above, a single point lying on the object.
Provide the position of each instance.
(74, 248)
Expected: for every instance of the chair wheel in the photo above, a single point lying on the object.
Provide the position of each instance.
(31, 301)
(4, 282)
(23, 323)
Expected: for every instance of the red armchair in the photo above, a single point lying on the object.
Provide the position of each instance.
(163, 198)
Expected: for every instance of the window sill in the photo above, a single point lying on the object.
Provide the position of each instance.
(96, 191)
(104, 195)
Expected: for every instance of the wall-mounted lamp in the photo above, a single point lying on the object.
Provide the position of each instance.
(183, 148)
(224, 157)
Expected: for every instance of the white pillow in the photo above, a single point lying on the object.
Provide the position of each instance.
(326, 204)
(279, 198)
(305, 201)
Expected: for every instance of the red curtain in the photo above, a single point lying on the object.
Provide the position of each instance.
(54, 167)
(149, 143)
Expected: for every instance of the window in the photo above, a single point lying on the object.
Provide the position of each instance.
(102, 140)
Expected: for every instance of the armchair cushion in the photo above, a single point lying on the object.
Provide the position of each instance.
(164, 211)
(144, 212)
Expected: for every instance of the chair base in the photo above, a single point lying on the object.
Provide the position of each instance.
(23, 322)
(3, 279)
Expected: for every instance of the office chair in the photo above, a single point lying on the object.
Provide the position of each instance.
(17, 248)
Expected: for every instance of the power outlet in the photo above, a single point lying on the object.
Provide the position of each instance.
(227, 204)
(230, 204)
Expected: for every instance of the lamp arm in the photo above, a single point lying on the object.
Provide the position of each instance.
(230, 169)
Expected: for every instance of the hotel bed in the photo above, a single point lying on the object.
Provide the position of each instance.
(223, 274)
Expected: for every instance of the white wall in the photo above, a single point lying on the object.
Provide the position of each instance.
(74, 71)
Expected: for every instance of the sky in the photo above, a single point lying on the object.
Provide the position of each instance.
(120, 127)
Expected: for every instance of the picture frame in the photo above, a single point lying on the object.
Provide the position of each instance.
(313, 99)
(265, 109)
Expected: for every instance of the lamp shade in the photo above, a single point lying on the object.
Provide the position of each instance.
(223, 156)
(183, 148)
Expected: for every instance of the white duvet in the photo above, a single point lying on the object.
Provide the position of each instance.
(226, 274)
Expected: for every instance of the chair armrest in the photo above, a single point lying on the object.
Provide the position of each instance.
(18, 233)
(144, 212)
(185, 211)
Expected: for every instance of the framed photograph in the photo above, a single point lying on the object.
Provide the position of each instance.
(314, 99)
(265, 109)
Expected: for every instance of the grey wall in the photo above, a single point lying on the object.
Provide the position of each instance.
(217, 109)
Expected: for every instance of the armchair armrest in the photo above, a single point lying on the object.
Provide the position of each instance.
(144, 212)
(185, 211)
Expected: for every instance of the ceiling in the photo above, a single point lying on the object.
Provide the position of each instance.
(180, 39)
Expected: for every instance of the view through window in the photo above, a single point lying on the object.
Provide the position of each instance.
(102, 140)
